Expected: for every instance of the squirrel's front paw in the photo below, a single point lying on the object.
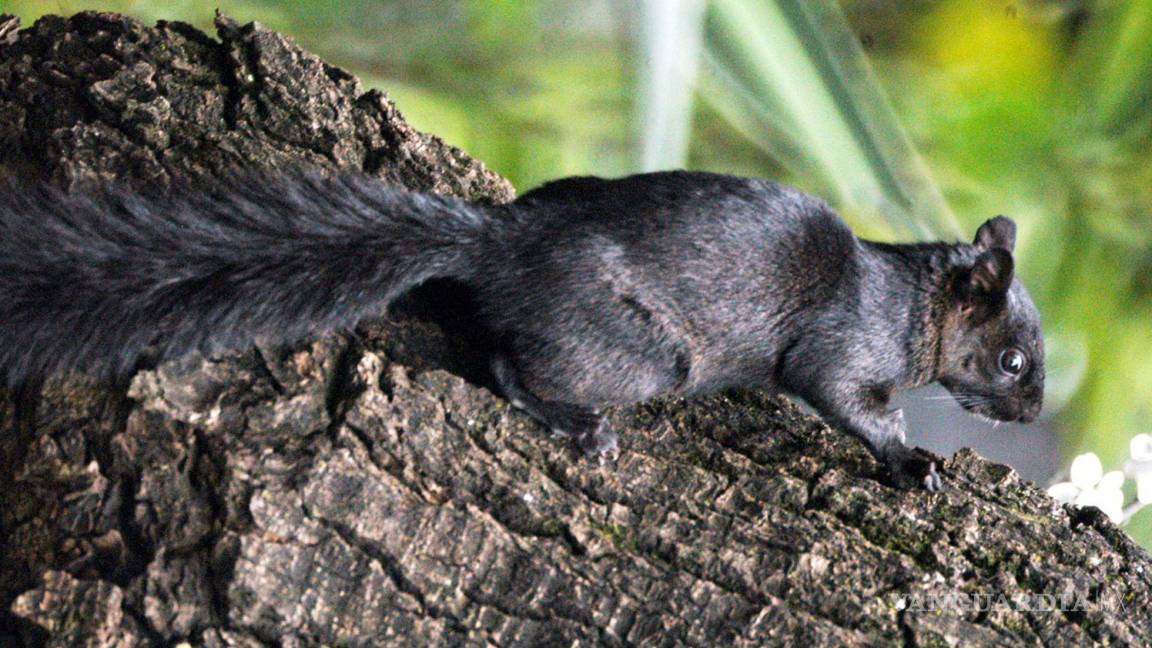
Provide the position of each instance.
(912, 468)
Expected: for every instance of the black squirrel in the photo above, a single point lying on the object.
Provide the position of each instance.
(598, 292)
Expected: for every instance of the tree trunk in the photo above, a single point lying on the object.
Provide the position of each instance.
(355, 490)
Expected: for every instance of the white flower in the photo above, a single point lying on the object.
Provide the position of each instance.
(1089, 485)
(1141, 447)
(1140, 467)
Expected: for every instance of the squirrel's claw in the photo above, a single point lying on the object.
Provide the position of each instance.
(932, 481)
(912, 468)
(601, 441)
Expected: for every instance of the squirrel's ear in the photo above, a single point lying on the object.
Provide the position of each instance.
(999, 232)
(986, 283)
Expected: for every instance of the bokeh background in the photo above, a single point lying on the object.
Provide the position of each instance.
(917, 119)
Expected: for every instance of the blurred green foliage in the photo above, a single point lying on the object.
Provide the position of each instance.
(909, 116)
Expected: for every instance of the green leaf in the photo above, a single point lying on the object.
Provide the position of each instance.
(790, 75)
(1114, 67)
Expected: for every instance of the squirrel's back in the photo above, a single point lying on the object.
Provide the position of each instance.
(723, 269)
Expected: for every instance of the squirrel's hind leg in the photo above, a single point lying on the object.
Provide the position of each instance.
(588, 428)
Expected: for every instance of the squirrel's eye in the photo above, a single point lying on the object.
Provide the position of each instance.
(1011, 361)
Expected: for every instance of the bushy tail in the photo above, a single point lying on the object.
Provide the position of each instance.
(87, 281)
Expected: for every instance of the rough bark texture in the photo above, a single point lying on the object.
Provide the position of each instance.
(352, 491)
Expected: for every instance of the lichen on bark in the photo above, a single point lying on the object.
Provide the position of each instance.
(353, 490)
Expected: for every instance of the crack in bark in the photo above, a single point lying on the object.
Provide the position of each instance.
(391, 567)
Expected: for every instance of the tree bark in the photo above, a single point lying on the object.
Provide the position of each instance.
(355, 490)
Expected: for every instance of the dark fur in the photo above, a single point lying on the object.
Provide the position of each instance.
(87, 281)
(597, 292)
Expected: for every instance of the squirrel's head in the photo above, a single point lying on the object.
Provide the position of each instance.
(992, 348)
